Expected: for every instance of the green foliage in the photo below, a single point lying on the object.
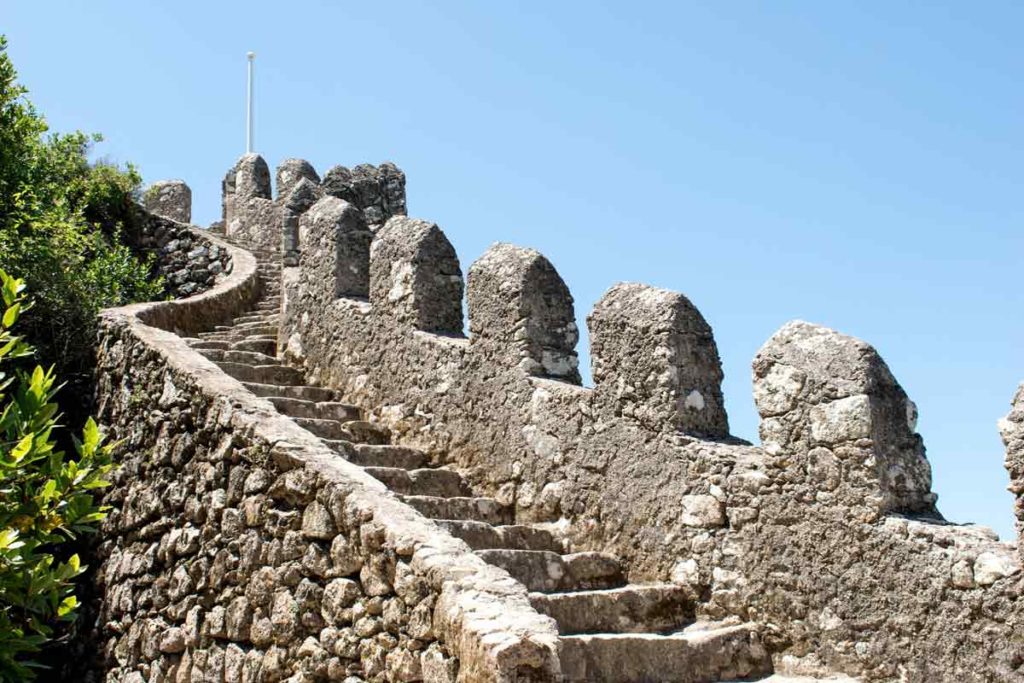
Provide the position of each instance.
(62, 222)
(46, 500)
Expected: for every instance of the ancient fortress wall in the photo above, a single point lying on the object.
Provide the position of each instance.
(188, 260)
(827, 535)
(240, 548)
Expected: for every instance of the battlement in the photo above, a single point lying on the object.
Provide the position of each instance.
(827, 534)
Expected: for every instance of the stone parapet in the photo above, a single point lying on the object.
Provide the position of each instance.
(240, 548)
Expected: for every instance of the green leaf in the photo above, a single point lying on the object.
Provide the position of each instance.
(11, 315)
(9, 539)
(22, 449)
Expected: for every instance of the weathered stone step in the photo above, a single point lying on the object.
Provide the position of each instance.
(430, 481)
(257, 325)
(325, 429)
(211, 344)
(304, 392)
(652, 608)
(541, 570)
(266, 318)
(264, 346)
(480, 536)
(691, 656)
(368, 432)
(247, 357)
(323, 410)
(480, 509)
(263, 374)
(234, 335)
(386, 455)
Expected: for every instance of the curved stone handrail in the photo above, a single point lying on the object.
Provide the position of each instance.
(184, 420)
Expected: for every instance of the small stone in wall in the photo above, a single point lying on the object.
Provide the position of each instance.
(990, 567)
(962, 574)
(846, 419)
(702, 511)
(172, 641)
(317, 523)
(686, 573)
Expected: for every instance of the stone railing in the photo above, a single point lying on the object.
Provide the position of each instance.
(240, 548)
(188, 260)
(827, 535)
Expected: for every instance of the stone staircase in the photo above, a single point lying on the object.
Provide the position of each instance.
(611, 631)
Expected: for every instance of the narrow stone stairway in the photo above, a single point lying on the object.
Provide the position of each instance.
(611, 631)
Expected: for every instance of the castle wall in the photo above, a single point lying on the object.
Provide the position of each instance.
(828, 535)
(239, 548)
(186, 258)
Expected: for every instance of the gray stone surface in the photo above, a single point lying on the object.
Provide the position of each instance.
(170, 199)
(416, 276)
(521, 310)
(335, 250)
(240, 541)
(189, 261)
(240, 548)
(655, 358)
(631, 469)
(290, 173)
(377, 191)
(830, 400)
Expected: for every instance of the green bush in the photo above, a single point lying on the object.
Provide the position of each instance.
(62, 223)
(46, 500)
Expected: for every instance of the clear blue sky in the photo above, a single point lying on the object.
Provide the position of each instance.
(852, 164)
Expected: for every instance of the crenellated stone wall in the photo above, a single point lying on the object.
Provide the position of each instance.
(377, 191)
(170, 199)
(827, 535)
(240, 548)
(188, 260)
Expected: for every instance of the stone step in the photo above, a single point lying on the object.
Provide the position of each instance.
(544, 571)
(234, 335)
(303, 392)
(323, 410)
(257, 325)
(368, 432)
(266, 318)
(265, 346)
(480, 536)
(210, 344)
(654, 608)
(325, 429)
(691, 656)
(430, 481)
(479, 509)
(387, 455)
(247, 357)
(263, 374)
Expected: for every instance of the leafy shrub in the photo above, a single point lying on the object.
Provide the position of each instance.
(45, 500)
(62, 226)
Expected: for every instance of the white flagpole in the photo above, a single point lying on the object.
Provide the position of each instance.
(248, 106)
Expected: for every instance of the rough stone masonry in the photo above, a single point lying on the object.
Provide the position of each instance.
(242, 547)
